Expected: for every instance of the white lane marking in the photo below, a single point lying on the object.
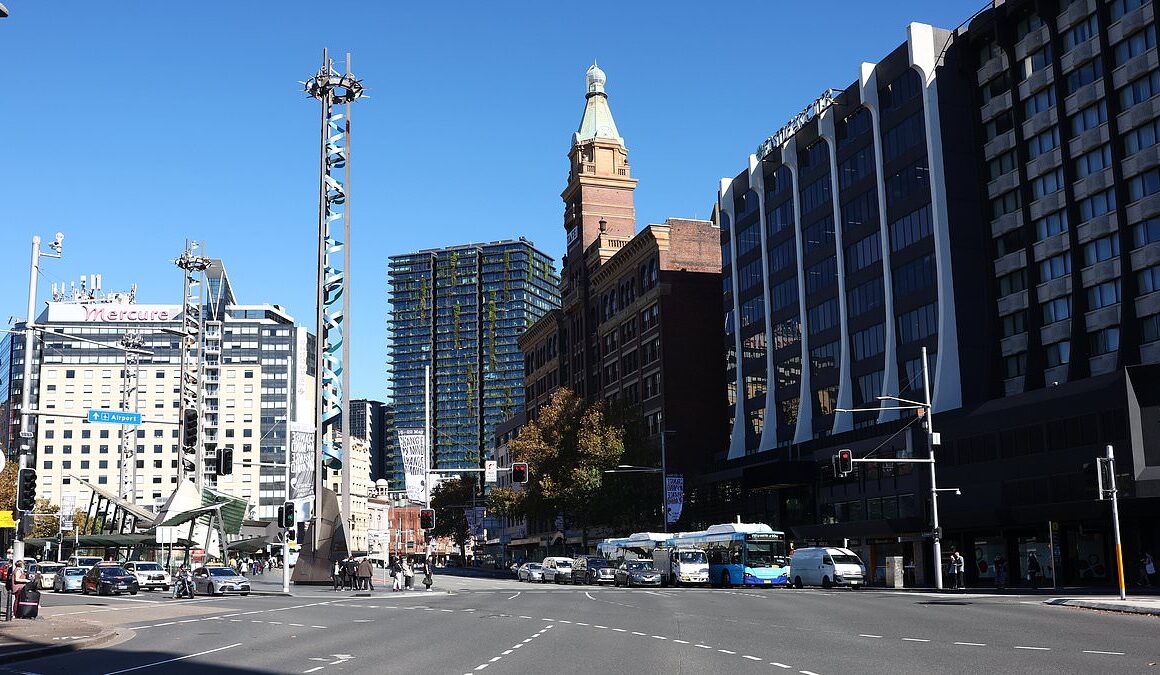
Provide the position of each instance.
(179, 658)
(524, 617)
(482, 666)
(516, 595)
(506, 652)
(1096, 651)
(868, 635)
(726, 651)
(704, 646)
(972, 644)
(807, 672)
(1037, 649)
(315, 668)
(494, 659)
(751, 658)
(779, 665)
(915, 640)
(581, 623)
(528, 640)
(680, 642)
(660, 637)
(589, 595)
(565, 621)
(620, 630)
(352, 621)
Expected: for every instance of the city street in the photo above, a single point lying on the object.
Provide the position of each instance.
(470, 625)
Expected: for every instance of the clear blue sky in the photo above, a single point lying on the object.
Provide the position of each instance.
(132, 125)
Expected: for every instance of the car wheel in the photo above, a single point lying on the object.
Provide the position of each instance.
(797, 582)
(164, 589)
(826, 583)
(725, 583)
(132, 592)
(244, 594)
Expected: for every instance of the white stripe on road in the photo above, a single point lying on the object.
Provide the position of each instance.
(779, 665)
(751, 658)
(1037, 649)
(972, 644)
(680, 642)
(726, 651)
(807, 672)
(868, 635)
(916, 640)
(516, 595)
(179, 658)
(314, 669)
(1096, 651)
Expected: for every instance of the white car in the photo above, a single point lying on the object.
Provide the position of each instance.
(47, 572)
(826, 567)
(557, 570)
(150, 575)
(530, 572)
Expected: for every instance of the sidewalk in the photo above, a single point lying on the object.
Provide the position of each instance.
(22, 639)
(1111, 603)
(270, 585)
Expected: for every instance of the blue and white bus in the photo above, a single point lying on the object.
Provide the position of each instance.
(741, 554)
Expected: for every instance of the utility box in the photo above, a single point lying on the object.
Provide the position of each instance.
(894, 571)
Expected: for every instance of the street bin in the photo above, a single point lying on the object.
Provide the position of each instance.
(894, 571)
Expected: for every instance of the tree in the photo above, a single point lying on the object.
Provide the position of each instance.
(45, 526)
(8, 486)
(449, 501)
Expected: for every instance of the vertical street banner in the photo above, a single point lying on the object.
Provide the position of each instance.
(412, 447)
(301, 462)
(674, 496)
(68, 509)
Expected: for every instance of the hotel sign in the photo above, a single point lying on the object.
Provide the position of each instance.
(112, 312)
(796, 123)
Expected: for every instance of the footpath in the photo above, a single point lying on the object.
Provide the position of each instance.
(1139, 600)
(22, 639)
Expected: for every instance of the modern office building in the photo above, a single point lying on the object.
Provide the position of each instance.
(11, 377)
(257, 379)
(373, 422)
(459, 311)
(1024, 261)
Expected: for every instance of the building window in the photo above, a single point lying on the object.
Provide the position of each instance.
(1001, 165)
(1089, 118)
(919, 323)
(1008, 202)
(1078, 34)
(1150, 328)
(1101, 249)
(1056, 309)
(1141, 137)
(1027, 25)
(863, 253)
(1057, 353)
(1045, 141)
(907, 134)
(1149, 279)
(909, 229)
(1012, 282)
(1104, 295)
(816, 194)
(1092, 162)
(1118, 8)
(1035, 62)
(856, 167)
(1015, 365)
(785, 294)
(998, 126)
(870, 342)
(870, 386)
(1050, 225)
(1147, 183)
(1042, 100)
(779, 217)
(915, 276)
(1139, 90)
(1083, 75)
(822, 317)
(825, 356)
(1014, 324)
(1055, 267)
(902, 89)
(1104, 341)
(1097, 205)
(822, 275)
(865, 297)
(1009, 242)
(1133, 45)
(1046, 184)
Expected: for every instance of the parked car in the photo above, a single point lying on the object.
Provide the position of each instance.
(826, 567)
(592, 569)
(530, 572)
(68, 579)
(637, 573)
(218, 580)
(47, 571)
(108, 580)
(85, 561)
(150, 575)
(557, 570)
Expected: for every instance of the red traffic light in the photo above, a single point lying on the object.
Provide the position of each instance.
(427, 519)
(520, 472)
(845, 462)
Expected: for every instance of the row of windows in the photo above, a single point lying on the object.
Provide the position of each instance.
(861, 210)
(822, 275)
(816, 194)
(863, 253)
(823, 317)
(865, 297)
(914, 276)
(856, 167)
(919, 323)
(819, 235)
(909, 133)
(911, 228)
(784, 294)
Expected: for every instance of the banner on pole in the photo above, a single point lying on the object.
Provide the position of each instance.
(301, 461)
(413, 448)
(674, 496)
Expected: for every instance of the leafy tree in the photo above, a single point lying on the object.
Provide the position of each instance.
(46, 526)
(8, 486)
(449, 500)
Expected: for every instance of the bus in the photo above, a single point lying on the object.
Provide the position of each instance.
(638, 545)
(741, 554)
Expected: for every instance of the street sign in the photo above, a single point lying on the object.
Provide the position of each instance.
(166, 535)
(114, 417)
(26, 434)
(490, 469)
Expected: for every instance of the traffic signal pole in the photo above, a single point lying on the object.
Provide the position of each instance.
(937, 538)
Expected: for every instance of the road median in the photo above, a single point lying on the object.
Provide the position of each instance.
(22, 639)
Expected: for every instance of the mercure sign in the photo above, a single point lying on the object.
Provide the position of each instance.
(112, 312)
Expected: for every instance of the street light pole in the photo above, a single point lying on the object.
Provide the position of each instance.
(936, 539)
(26, 416)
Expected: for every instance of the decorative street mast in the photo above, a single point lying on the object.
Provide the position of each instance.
(332, 350)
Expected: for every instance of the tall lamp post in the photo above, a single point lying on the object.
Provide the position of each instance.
(26, 432)
(663, 471)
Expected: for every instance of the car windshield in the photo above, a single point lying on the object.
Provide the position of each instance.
(148, 567)
(689, 557)
(88, 561)
(222, 572)
(759, 554)
(845, 559)
(113, 572)
(534, 566)
(639, 566)
(597, 563)
(74, 572)
(563, 564)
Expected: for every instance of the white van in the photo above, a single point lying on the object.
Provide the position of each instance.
(557, 569)
(826, 567)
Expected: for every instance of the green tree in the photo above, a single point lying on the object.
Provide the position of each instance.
(46, 526)
(449, 501)
(8, 486)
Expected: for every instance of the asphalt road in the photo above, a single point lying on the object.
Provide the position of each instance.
(501, 626)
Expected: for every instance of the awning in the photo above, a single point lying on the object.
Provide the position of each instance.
(250, 545)
(144, 516)
(109, 540)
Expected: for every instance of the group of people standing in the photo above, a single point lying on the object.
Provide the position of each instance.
(403, 573)
(353, 574)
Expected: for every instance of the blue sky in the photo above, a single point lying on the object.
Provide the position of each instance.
(138, 125)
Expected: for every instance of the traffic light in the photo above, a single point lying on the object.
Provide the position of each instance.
(26, 490)
(286, 515)
(189, 429)
(427, 519)
(845, 462)
(520, 472)
(225, 461)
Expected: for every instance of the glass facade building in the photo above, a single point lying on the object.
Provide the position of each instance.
(460, 310)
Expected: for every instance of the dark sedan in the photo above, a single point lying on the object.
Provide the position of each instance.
(637, 573)
(109, 580)
(592, 570)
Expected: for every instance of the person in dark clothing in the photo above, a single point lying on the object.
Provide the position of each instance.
(1033, 570)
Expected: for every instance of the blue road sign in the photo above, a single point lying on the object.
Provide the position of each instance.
(114, 417)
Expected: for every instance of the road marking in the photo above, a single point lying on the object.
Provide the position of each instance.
(314, 669)
(779, 665)
(680, 642)
(1096, 651)
(807, 672)
(660, 637)
(581, 623)
(589, 595)
(516, 595)
(868, 635)
(565, 621)
(972, 644)
(1037, 649)
(636, 632)
(704, 646)
(620, 630)
(751, 658)
(915, 640)
(726, 651)
(494, 659)
(179, 658)
(506, 652)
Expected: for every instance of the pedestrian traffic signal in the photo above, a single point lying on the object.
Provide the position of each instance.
(189, 429)
(286, 515)
(520, 472)
(427, 519)
(225, 461)
(26, 490)
(845, 462)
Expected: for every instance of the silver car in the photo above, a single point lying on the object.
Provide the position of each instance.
(530, 572)
(68, 579)
(218, 580)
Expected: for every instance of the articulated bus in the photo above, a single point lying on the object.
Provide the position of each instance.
(741, 554)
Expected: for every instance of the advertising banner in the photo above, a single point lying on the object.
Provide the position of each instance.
(412, 447)
(674, 496)
(301, 461)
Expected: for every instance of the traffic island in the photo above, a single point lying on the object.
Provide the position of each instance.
(22, 639)
(1146, 605)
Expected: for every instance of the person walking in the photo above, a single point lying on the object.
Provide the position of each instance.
(957, 564)
(1000, 572)
(426, 569)
(337, 574)
(1033, 570)
(364, 575)
(408, 574)
(396, 575)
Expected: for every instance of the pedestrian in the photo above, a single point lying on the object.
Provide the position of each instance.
(351, 573)
(337, 574)
(957, 564)
(365, 572)
(1150, 568)
(396, 575)
(1000, 572)
(408, 574)
(1033, 570)
(427, 580)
